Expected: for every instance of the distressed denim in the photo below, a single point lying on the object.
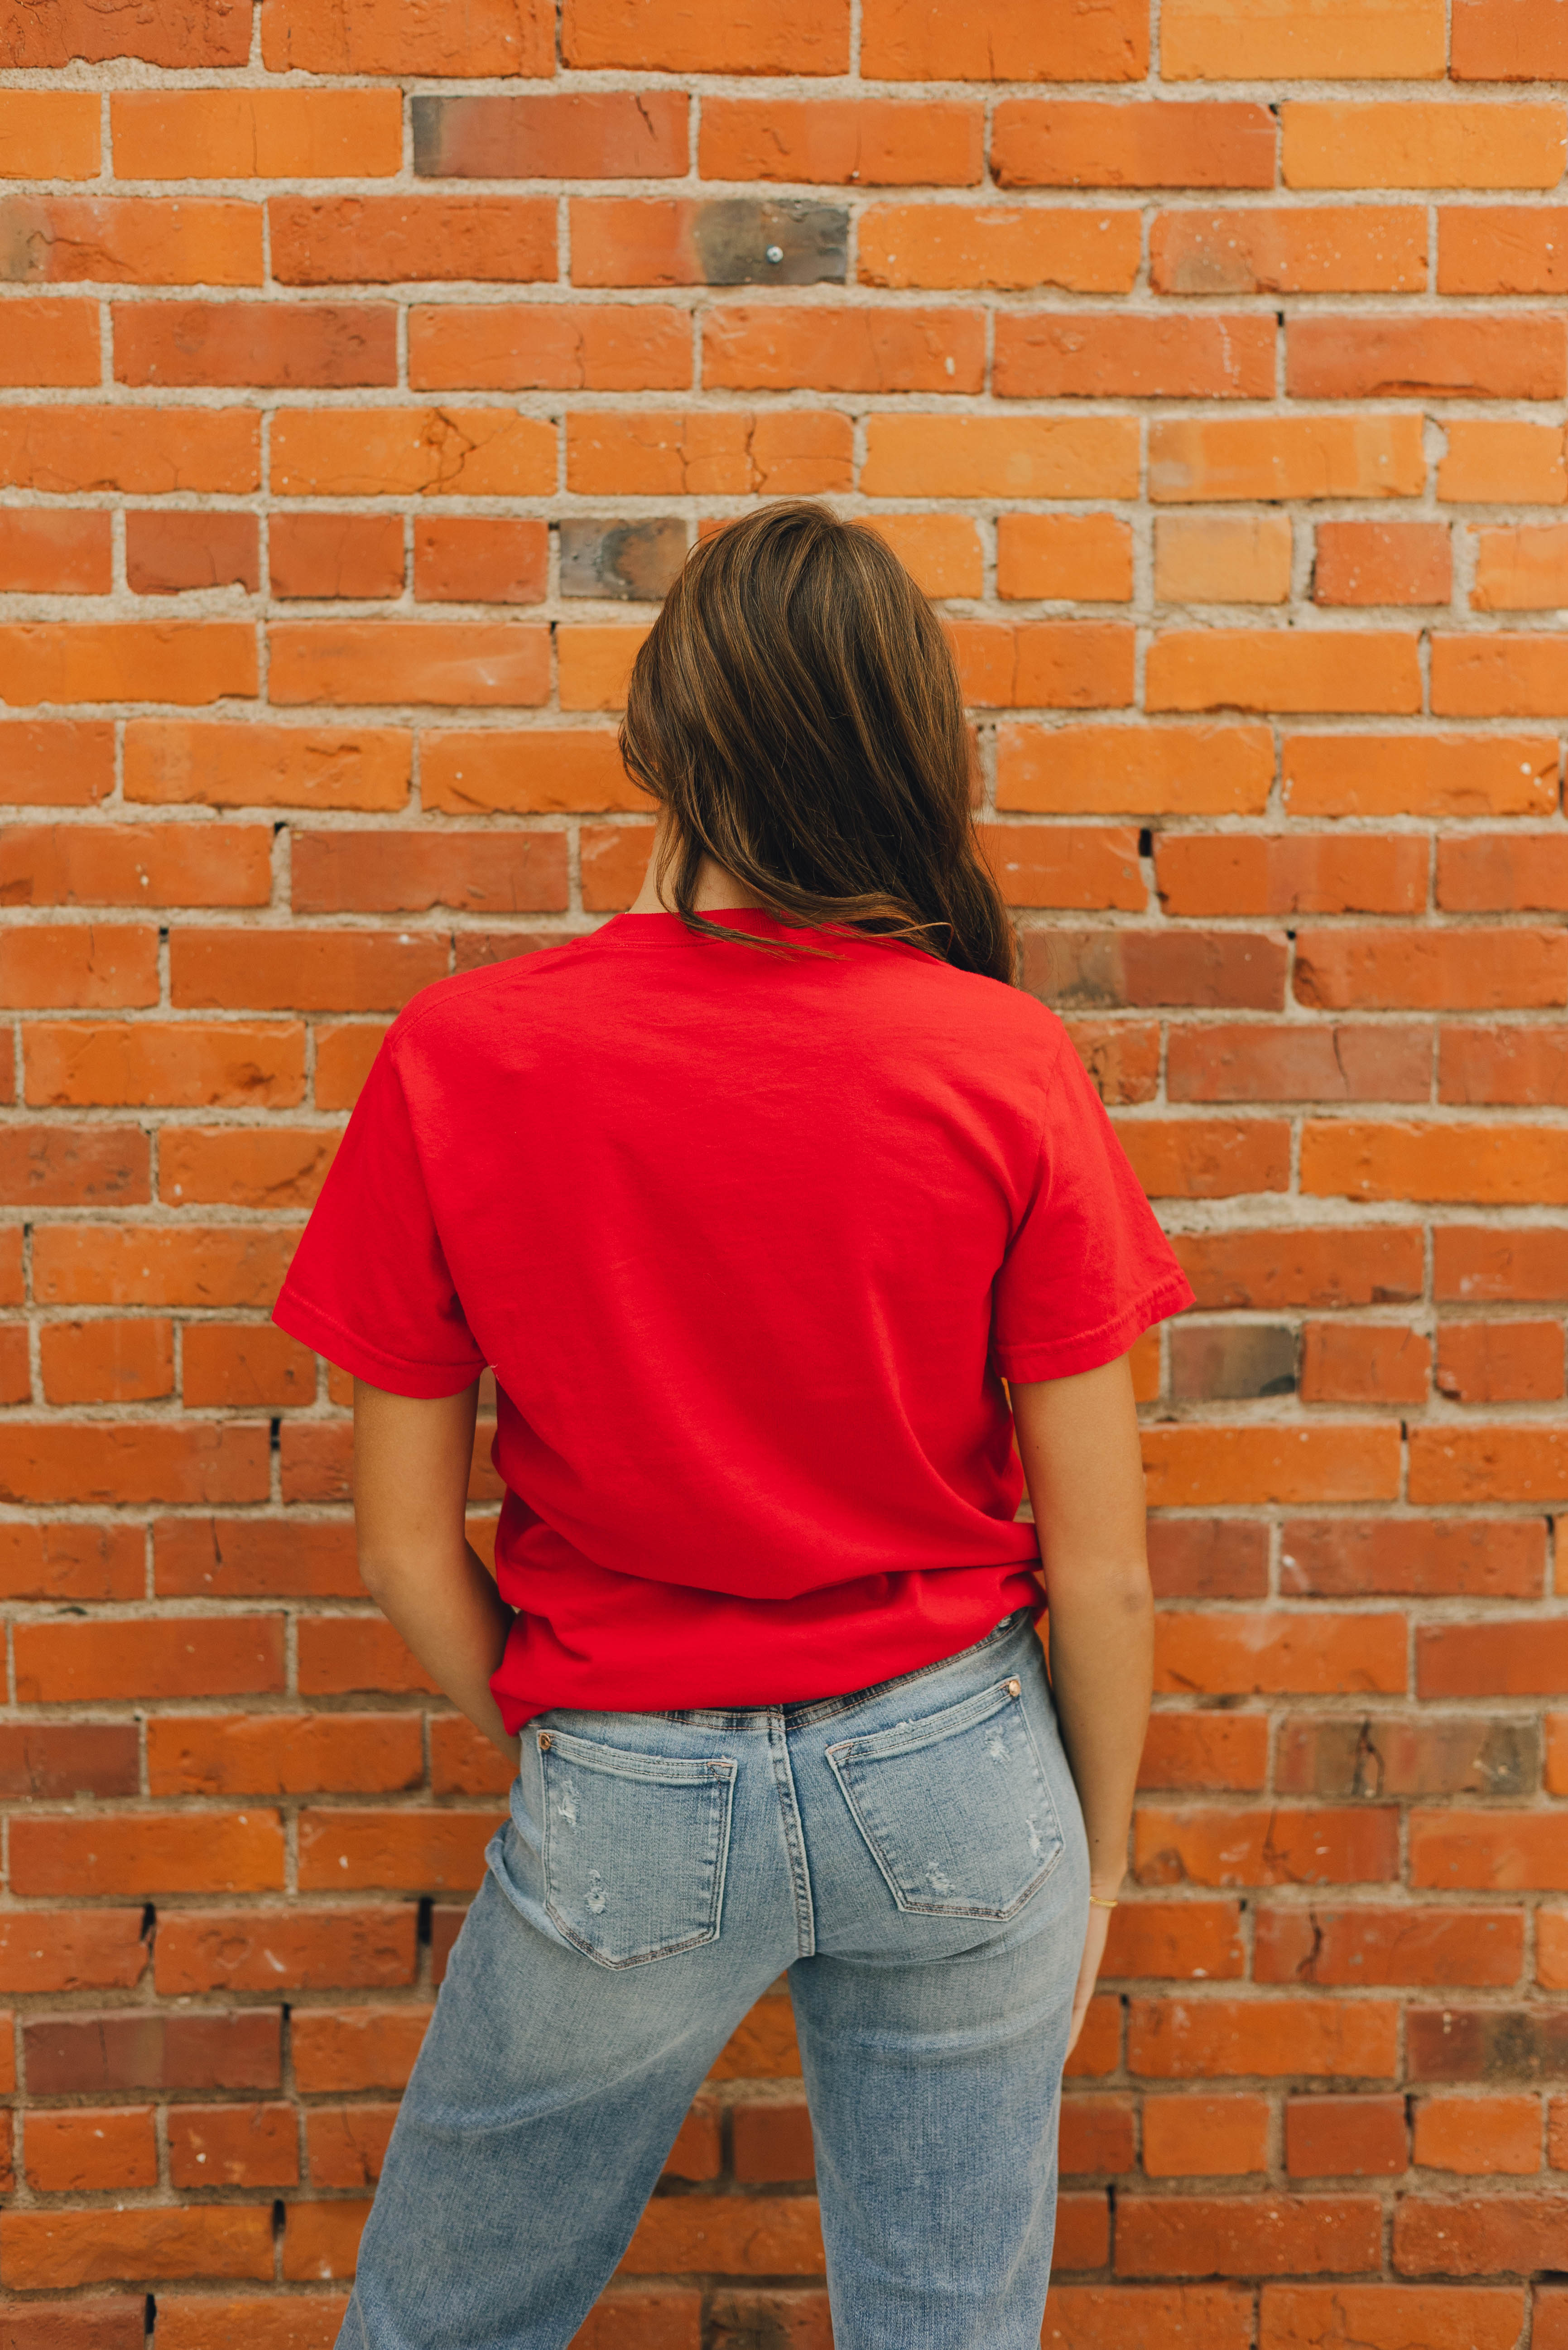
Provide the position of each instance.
(913, 1855)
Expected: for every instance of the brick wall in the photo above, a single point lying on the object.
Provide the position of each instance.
(368, 368)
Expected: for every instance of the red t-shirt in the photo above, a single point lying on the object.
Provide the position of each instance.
(751, 1241)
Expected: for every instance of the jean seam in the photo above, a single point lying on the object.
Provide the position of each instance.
(794, 1836)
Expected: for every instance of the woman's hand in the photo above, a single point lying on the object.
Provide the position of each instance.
(1099, 1926)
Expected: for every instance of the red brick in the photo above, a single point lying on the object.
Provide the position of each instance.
(352, 2049)
(465, 1762)
(874, 142)
(477, 872)
(61, 967)
(63, 1664)
(78, 2152)
(1095, 2317)
(1382, 563)
(1479, 2237)
(1499, 1164)
(1502, 1558)
(130, 2049)
(1122, 1056)
(347, 971)
(262, 2321)
(347, 2145)
(283, 1754)
(762, 2045)
(1527, 1463)
(1205, 2137)
(1500, 1362)
(166, 553)
(1207, 1558)
(1487, 872)
(45, 1760)
(1345, 2137)
(669, 2317)
(65, 554)
(232, 2146)
(1389, 2317)
(1297, 873)
(135, 865)
(275, 1950)
(1305, 249)
(1096, 2135)
(1317, 1062)
(131, 1264)
(171, 1852)
(1187, 1940)
(1457, 1851)
(474, 560)
(1201, 2235)
(250, 1167)
(1477, 1065)
(106, 1362)
(1205, 1753)
(589, 134)
(1004, 40)
(1379, 1266)
(314, 344)
(372, 37)
(1084, 970)
(335, 555)
(198, 1461)
(72, 1949)
(1225, 1844)
(413, 1852)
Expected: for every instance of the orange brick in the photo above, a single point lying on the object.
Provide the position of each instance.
(135, 865)
(377, 37)
(1502, 463)
(456, 664)
(315, 970)
(1370, 1362)
(547, 770)
(250, 1167)
(1516, 357)
(1006, 40)
(70, 1563)
(1064, 865)
(561, 135)
(1487, 1851)
(1101, 143)
(1136, 770)
(65, 554)
(1195, 1941)
(771, 348)
(1254, 668)
(1500, 1362)
(1002, 245)
(60, 347)
(64, 1664)
(284, 1755)
(999, 457)
(1382, 563)
(1224, 1846)
(1205, 2137)
(106, 1362)
(245, 343)
(256, 134)
(1389, 2316)
(1309, 249)
(872, 142)
(1198, 1467)
(474, 558)
(1222, 559)
(1393, 40)
(1328, 873)
(385, 240)
(164, 1063)
(1430, 969)
(1056, 354)
(49, 134)
(1519, 568)
(1345, 2137)
(1206, 2039)
(413, 451)
(728, 453)
(1419, 774)
(1203, 459)
(1498, 675)
(565, 347)
(415, 1852)
(54, 763)
(335, 555)
(1319, 1269)
(171, 1852)
(128, 661)
(134, 240)
(1067, 558)
(1484, 2135)
(1207, 1158)
(1502, 1064)
(49, 965)
(1501, 249)
(323, 2240)
(276, 1950)
(1400, 144)
(664, 37)
(1200, 1752)
(941, 552)
(267, 766)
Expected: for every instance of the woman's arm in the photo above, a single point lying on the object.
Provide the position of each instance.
(410, 1480)
(1079, 1444)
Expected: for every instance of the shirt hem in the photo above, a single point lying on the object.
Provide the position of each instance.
(315, 1328)
(1060, 1358)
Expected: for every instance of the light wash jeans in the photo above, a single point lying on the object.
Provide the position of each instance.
(915, 1855)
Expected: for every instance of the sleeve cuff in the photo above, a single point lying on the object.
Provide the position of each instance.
(1087, 1350)
(365, 1360)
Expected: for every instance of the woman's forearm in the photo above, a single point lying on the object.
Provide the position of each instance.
(456, 1623)
(1101, 1648)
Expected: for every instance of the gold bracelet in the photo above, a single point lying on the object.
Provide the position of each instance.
(1100, 1903)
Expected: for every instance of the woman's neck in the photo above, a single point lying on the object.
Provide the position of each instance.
(718, 890)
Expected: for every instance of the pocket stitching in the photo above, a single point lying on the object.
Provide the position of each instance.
(873, 1748)
(720, 1774)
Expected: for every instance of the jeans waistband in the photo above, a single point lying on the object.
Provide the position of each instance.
(825, 1708)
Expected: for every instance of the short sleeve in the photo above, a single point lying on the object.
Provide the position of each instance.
(1088, 1269)
(370, 1287)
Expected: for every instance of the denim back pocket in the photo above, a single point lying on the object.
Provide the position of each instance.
(955, 1808)
(635, 1847)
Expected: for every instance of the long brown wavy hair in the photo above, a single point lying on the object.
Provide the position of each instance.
(796, 710)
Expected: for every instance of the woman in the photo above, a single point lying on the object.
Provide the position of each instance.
(755, 1198)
